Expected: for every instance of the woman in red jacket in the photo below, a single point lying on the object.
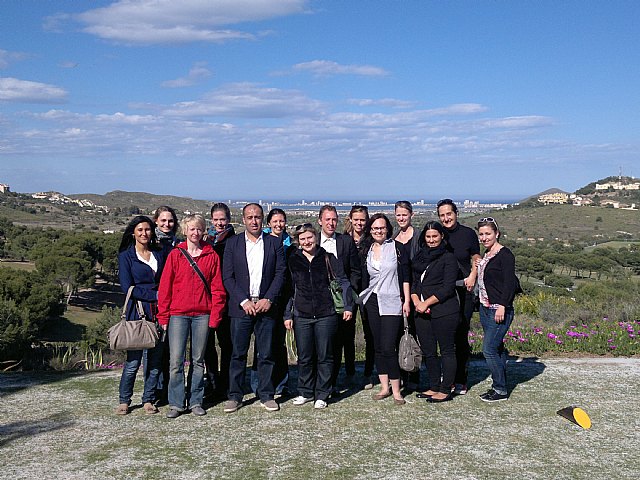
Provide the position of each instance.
(191, 299)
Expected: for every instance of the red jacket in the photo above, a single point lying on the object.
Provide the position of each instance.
(182, 292)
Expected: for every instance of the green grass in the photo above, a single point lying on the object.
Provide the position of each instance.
(62, 426)
(26, 266)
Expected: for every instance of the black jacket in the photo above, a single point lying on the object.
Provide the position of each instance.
(500, 279)
(440, 281)
(311, 297)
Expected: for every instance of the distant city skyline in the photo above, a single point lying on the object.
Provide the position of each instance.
(315, 99)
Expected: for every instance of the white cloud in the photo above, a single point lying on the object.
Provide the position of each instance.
(247, 100)
(7, 57)
(168, 21)
(382, 102)
(197, 73)
(24, 91)
(68, 64)
(326, 68)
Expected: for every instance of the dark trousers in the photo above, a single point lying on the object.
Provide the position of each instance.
(241, 329)
(345, 339)
(463, 349)
(280, 357)
(434, 333)
(385, 330)
(369, 349)
(219, 375)
(314, 341)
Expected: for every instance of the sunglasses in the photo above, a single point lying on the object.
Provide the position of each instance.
(299, 228)
(488, 220)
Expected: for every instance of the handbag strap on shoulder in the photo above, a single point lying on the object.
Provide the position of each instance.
(196, 269)
(330, 274)
(139, 307)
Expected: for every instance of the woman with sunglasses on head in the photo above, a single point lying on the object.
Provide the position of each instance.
(385, 275)
(354, 226)
(141, 261)
(311, 313)
(498, 286)
(433, 293)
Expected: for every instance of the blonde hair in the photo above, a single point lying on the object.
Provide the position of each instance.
(199, 219)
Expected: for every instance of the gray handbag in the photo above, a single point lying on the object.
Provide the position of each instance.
(133, 334)
(409, 351)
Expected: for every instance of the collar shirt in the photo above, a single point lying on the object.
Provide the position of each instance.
(255, 260)
(329, 244)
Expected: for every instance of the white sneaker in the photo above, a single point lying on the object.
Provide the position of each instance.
(301, 400)
(320, 404)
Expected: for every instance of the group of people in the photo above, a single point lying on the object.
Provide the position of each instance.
(217, 283)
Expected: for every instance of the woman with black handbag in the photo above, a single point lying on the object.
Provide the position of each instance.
(141, 261)
(433, 292)
(191, 299)
(311, 313)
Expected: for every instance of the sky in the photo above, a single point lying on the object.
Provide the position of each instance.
(248, 99)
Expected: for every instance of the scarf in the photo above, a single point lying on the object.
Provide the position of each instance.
(166, 238)
(216, 237)
(426, 256)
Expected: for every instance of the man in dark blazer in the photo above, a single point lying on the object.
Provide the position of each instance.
(253, 272)
(344, 249)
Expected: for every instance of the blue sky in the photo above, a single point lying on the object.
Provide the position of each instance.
(318, 99)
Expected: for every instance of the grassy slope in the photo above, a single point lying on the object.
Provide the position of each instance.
(61, 426)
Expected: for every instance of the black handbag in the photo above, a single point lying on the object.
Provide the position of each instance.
(409, 351)
(133, 334)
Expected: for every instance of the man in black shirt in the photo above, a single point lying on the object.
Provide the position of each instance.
(463, 242)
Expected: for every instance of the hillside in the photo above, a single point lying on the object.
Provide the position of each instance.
(146, 202)
(566, 223)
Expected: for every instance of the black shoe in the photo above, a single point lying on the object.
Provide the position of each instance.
(493, 396)
(439, 400)
(422, 395)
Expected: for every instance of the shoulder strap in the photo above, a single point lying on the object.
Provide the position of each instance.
(194, 265)
(330, 274)
(141, 314)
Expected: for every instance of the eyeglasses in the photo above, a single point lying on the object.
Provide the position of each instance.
(378, 229)
(299, 228)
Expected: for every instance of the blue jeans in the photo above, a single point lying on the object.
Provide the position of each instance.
(241, 328)
(151, 360)
(315, 342)
(493, 347)
(179, 329)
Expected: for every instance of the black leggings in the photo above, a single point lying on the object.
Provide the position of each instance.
(385, 330)
(434, 333)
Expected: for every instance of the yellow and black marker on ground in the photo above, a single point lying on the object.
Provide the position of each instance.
(576, 415)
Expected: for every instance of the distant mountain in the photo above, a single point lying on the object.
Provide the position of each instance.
(546, 192)
(146, 202)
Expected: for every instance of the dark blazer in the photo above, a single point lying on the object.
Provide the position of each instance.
(235, 271)
(440, 280)
(348, 255)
